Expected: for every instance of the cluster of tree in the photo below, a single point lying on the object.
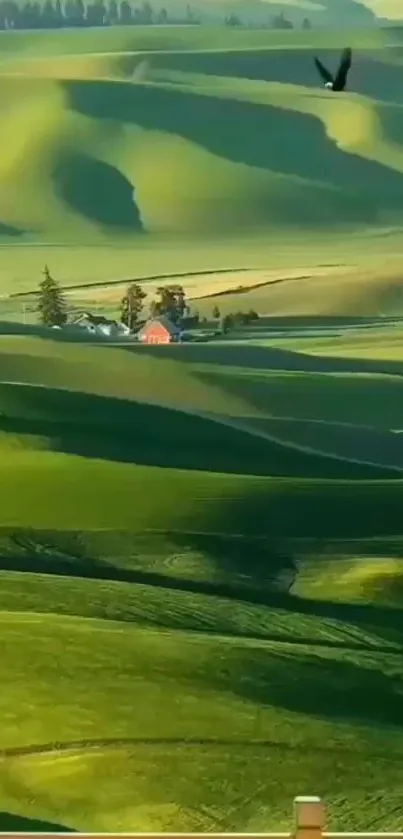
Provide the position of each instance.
(230, 321)
(278, 22)
(232, 20)
(55, 14)
(281, 22)
(237, 318)
(170, 301)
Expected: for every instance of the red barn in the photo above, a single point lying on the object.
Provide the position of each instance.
(158, 331)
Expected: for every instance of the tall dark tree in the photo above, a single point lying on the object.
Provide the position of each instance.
(95, 13)
(51, 303)
(131, 305)
(233, 20)
(3, 15)
(226, 323)
(59, 13)
(190, 18)
(216, 313)
(112, 15)
(162, 16)
(171, 301)
(11, 14)
(30, 16)
(74, 12)
(48, 15)
(281, 22)
(145, 14)
(181, 304)
(125, 12)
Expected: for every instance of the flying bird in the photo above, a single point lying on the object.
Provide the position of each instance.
(338, 82)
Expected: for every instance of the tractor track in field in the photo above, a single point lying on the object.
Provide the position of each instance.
(56, 748)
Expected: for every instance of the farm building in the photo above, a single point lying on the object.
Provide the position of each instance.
(99, 325)
(159, 331)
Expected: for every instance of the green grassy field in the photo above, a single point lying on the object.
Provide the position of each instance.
(201, 544)
(159, 607)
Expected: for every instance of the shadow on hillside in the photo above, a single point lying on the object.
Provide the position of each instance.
(329, 435)
(9, 231)
(392, 124)
(326, 688)
(335, 510)
(335, 408)
(12, 823)
(265, 358)
(369, 76)
(97, 191)
(256, 135)
(342, 322)
(239, 564)
(242, 561)
(63, 336)
(155, 436)
(249, 570)
(355, 11)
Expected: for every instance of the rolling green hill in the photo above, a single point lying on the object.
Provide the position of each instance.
(157, 617)
(113, 135)
(134, 432)
(201, 544)
(147, 150)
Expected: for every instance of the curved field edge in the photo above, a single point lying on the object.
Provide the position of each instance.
(55, 491)
(43, 777)
(57, 400)
(181, 605)
(126, 39)
(119, 132)
(187, 657)
(150, 434)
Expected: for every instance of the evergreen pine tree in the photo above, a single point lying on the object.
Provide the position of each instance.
(51, 304)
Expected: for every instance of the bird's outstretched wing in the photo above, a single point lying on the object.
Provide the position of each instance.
(326, 76)
(344, 66)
